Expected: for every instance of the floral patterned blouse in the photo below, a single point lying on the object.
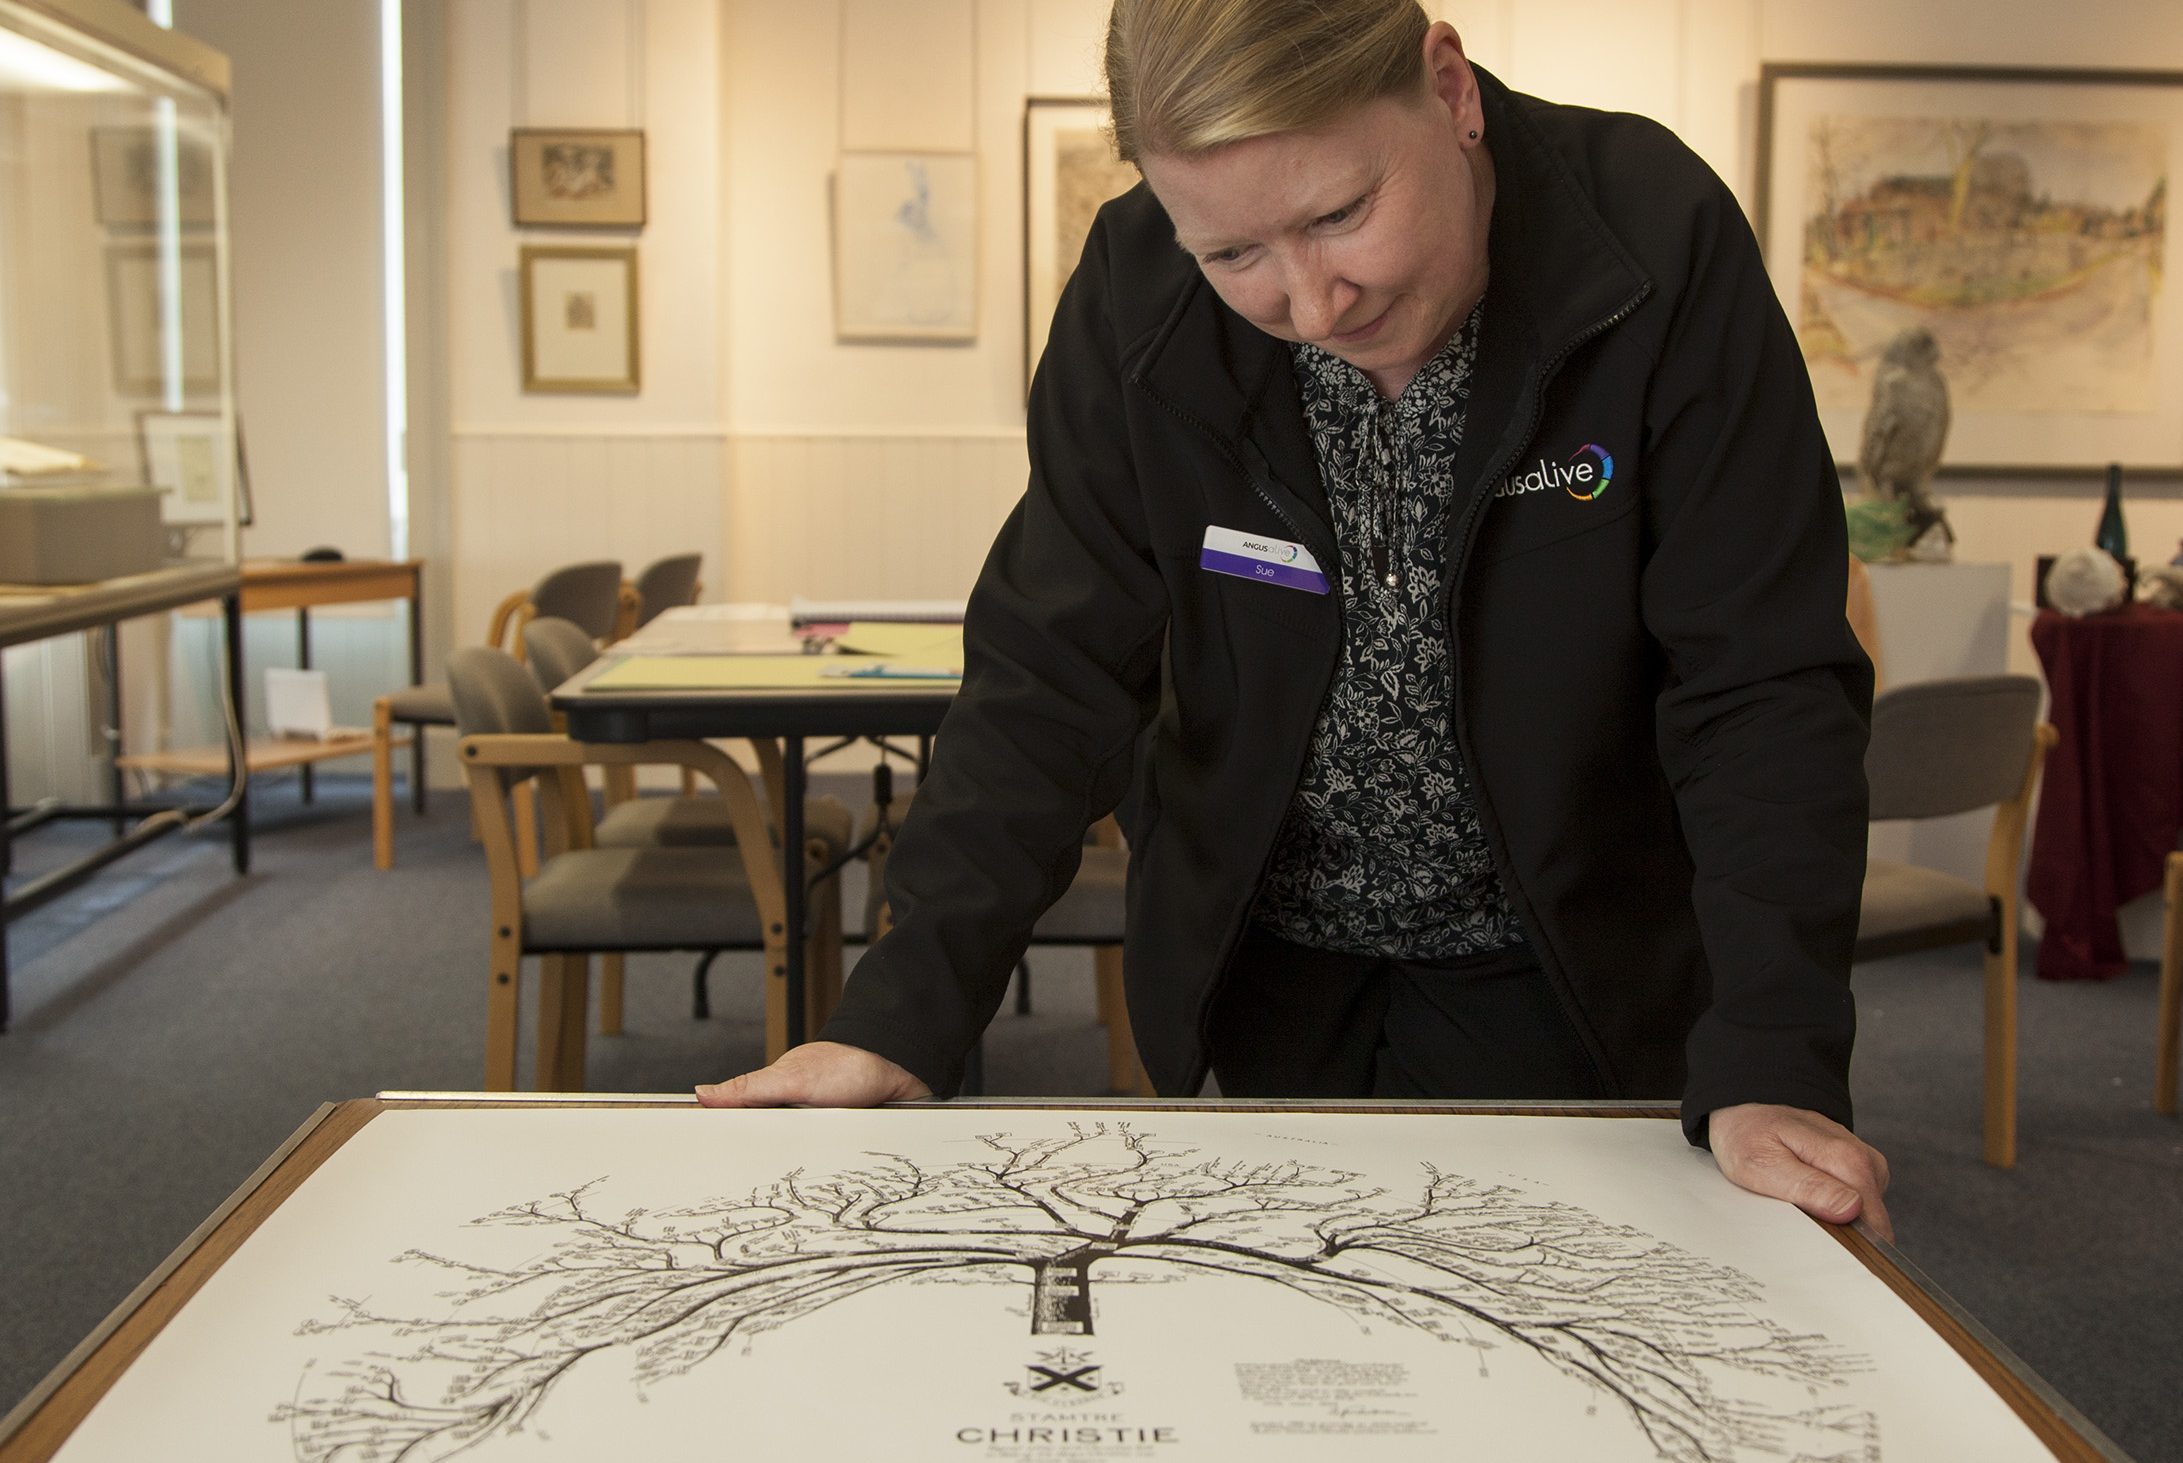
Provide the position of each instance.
(1381, 852)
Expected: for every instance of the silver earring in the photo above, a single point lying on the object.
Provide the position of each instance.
(1474, 134)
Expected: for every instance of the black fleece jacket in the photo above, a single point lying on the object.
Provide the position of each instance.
(1660, 702)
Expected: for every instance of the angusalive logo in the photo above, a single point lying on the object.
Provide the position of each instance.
(1584, 476)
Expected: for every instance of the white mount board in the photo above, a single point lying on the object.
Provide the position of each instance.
(1064, 1287)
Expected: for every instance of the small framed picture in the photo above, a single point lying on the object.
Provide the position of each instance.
(128, 166)
(906, 246)
(139, 315)
(193, 459)
(579, 319)
(564, 179)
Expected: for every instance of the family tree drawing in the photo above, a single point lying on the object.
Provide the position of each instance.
(1675, 1342)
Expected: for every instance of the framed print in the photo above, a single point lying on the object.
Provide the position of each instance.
(2021, 216)
(126, 178)
(193, 459)
(559, 178)
(906, 246)
(1069, 169)
(579, 319)
(138, 317)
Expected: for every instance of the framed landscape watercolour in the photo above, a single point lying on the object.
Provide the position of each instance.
(199, 467)
(566, 179)
(579, 319)
(906, 246)
(1069, 169)
(2019, 215)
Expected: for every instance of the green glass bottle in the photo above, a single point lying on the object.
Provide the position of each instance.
(2113, 537)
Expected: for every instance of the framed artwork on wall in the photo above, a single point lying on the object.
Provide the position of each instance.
(906, 246)
(199, 467)
(579, 310)
(567, 179)
(1069, 169)
(140, 315)
(128, 169)
(2021, 216)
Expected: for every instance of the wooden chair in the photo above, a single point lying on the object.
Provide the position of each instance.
(1941, 748)
(558, 651)
(664, 584)
(1091, 911)
(588, 594)
(585, 899)
(2170, 1020)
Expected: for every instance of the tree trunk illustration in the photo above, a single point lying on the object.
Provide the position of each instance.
(1061, 1292)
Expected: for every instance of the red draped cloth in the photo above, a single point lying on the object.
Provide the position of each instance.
(2111, 799)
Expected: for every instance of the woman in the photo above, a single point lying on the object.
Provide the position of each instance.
(1452, 507)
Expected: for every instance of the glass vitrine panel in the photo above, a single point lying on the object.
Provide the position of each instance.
(113, 269)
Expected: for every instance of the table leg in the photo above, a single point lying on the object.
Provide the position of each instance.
(7, 847)
(416, 678)
(238, 822)
(117, 781)
(303, 663)
(792, 878)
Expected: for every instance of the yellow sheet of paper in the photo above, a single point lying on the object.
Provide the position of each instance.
(926, 645)
(743, 673)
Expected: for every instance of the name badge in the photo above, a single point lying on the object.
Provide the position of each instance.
(1267, 560)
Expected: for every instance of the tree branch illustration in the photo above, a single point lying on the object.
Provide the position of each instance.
(1672, 1339)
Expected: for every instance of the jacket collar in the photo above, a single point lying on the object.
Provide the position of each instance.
(1556, 273)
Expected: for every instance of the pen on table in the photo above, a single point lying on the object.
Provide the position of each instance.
(896, 672)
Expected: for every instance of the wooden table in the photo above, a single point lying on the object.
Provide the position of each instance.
(46, 1419)
(302, 585)
(39, 612)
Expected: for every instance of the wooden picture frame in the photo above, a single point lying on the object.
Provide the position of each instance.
(567, 178)
(136, 317)
(1069, 169)
(2019, 214)
(580, 322)
(905, 230)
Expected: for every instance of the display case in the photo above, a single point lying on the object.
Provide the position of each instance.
(115, 359)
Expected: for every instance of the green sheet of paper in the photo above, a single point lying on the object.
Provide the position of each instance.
(744, 673)
(926, 645)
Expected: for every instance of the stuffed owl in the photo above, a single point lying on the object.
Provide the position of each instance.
(1905, 430)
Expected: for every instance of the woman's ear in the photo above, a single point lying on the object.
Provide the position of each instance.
(1448, 71)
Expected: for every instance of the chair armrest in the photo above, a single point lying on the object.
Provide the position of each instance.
(745, 816)
(496, 632)
(2005, 847)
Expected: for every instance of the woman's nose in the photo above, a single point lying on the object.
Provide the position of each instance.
(1317, 300)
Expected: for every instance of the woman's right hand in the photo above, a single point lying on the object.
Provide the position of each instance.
(818, 1074)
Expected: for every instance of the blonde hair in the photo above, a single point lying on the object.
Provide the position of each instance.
(1186, 76)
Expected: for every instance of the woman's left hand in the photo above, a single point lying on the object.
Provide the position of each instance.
(1813, 1162)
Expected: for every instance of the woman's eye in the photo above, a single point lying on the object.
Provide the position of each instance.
(1343, 214)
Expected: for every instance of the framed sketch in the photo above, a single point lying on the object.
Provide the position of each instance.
(140, 315)
(566, 179)
(906, 246)
(126, 178)
(1069, 169)
(579, 319)
(193, 459)
(2021, 216)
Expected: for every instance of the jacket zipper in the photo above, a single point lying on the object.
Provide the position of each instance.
(1237, 925)
(1556, 982)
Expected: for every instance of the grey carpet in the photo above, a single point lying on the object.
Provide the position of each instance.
(174, 1024)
